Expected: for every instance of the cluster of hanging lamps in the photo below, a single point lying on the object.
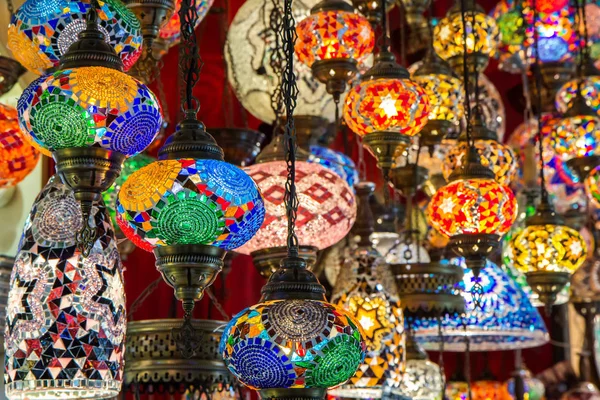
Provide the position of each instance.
(301, 344)
(41, 32)
(365, 288)
(190, 206)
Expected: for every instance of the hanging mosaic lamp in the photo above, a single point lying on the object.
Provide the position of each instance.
(482, 38)
(41, 31)
(250, 43)
(503, 320)
(90, 116)
(498, 157)
(487, 386)
(562, 297)
(336, 161)
(66, 313)
(548, 252)
(332, 41)
(366, 290)
(422, 379)
(590, 90)
(490, 105)
(372, 9)
(327, 208)
(18, 157)
(457, 390)
(445, 92)
(170, 32)
(473, 210)
(419, 32)
(533, 388)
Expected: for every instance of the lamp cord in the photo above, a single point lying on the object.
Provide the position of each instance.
(538, 83)
(441, 355)
(276, 60)
(385, 37)
(290, 92)
(466, 72)
(11, 8)
(190, 63)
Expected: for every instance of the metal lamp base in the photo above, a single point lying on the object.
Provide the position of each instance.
(153, 15)
(240, 145)
(335, 74)
(475, 248)
(583, 165)
(386, 147)
(408, 177)
(293, 394)
(547, 285)
(267, 261)
(435, 131)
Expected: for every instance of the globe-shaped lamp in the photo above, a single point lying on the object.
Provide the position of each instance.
(41, 31)
(589, 87)
(422, 379)
(336, 161)
(533, 388)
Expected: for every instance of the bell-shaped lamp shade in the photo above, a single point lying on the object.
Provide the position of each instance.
(41, 31)
(505, 321)
(66, 316)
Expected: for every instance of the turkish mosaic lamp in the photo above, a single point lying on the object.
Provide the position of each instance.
(365, 288)
(41, 31)
(533, 388)
(171, 31)
(66, 316)
(336, 161)
(502, 319)
(422, 379)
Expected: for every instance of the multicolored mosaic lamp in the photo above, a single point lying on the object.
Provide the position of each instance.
(66, 313)
(190, 206)
(589, 89)
(90, 116)
(504, 318)
(336, 161)
(41, 32)
(327, 208)
(332, 40)
(533, 388)
(365, 289)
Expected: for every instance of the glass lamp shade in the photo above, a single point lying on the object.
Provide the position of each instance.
(553, 248)
(505, 321)
(90, 107)
(171, 31)
(499, 157)
(445, 94)
(491, 106)
(422, 380)
(336, 34)
(433, 162)
(17, 156)
(407, 252)
(130, 166)
(482, 35)
(326, 212)
(292, 344)
(189, 201)
(534, 388)
(41, 31)
(386, 105)
(248, 50)
(365, 289)
(472, 206)
(336, 161)
(488, 390)
(66, 314)
(577, 136)
(457, 391)
(590, 90)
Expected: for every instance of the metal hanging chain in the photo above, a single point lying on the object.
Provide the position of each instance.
(385, 35)
(276, 61)
(227, 105)
(217, 303)
(402, 12)
(290, 93)
(362, 165)
(190, 63)
(441, 355)
(137, 303)
(538, 83)
(466, 73)
(11, 8)
(584, 45)
(468, 360)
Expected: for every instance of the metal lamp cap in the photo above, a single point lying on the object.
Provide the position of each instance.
(191, 140)
(545, 215)
(472, 168)
(385, 67)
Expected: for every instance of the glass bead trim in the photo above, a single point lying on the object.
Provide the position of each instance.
(189, 201)
(41, 31)
(90, 106)
(292, 344)
(390, 105)
(66, 314)
(326, 212)
(506, 320)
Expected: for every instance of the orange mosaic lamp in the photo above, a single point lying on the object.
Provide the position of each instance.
(474, 211)
(332, 40)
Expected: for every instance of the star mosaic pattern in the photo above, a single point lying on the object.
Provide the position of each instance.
(171, 31)
(17, 155)
(336, 161)
(472, 206)
(189, 201)
(292, 344)
(555, 248)
(576, 137)
(66, 317)
(366, 290)
(41, 31)
(386, 105)
(326, 211)
(445, 94)
(330, 35)
(90, 107)
(498, 157)
(505, 321)
(482, 35)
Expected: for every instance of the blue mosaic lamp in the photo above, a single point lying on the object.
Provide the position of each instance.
(505, 320)
(336, 161)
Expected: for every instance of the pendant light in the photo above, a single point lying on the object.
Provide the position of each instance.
(190, 206)
(90, 116)
(301, 344)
